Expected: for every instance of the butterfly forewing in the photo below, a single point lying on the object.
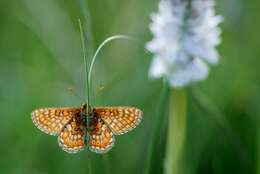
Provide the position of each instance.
(52, 120)
(119, 119)
(101, 138)
(72, 136)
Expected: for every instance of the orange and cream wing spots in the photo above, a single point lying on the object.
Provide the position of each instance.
(72, 136)
(52, 120)
(119, 119)
(100, 137)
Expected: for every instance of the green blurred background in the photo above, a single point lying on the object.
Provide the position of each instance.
(41, 66)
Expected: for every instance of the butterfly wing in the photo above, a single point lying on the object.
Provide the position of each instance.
(72, 136)
(52, 120)
(119, 119)
(100, 137)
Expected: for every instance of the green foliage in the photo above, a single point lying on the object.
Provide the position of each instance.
(41, 57)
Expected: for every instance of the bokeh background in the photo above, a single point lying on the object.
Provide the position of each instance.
(41, 65)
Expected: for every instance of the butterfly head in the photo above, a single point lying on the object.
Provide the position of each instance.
(86, 107)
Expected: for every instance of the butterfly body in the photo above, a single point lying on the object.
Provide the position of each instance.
(86, 127)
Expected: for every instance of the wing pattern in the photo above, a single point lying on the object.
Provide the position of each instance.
(72, 136)
(52, 120)
(119, 119)
(101, 138)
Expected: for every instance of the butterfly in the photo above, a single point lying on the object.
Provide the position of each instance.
(86, 127)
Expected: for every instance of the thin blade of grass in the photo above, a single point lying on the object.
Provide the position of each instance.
(115, 37)
(84, 59)
(87, 25)
(86, 38)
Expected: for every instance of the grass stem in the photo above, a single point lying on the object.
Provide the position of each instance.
(85, 61)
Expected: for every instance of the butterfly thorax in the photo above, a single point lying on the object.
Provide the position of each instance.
(86, 110)
(87, 115)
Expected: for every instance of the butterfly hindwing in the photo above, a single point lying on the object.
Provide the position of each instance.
(52, 120)
(119, 119)
(101, 138)
(72, 136)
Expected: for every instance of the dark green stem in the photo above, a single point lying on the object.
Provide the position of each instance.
(86, 38)
(85, 63)
(158, 124)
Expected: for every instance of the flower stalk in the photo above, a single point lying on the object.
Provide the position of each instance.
(176, 132)
(186, 34)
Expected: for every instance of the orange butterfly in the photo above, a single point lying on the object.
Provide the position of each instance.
(82, 127)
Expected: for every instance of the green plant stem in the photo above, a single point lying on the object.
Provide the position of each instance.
(85, 61)
(115, 37)
(105, 158)
(87, 84)
(86, 37)
(258, 155)
(158, 122)
(176, 132)
(89, 165)
(87, 25)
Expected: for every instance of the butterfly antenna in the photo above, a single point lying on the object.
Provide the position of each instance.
(115, 37)
(85, 61)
